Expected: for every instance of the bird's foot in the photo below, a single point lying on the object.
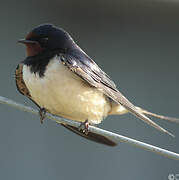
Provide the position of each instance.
(84, 127)
(42, 113)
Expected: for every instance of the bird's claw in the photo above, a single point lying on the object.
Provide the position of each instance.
(84, 127)
(42, 113)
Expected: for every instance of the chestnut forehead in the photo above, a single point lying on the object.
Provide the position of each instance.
(31, 35)
(39, 32)
(34, 36)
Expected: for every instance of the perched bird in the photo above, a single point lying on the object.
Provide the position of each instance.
(60, 78)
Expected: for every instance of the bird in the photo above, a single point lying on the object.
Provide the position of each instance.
(61, 79)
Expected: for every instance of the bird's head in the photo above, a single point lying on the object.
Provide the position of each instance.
(45, 38)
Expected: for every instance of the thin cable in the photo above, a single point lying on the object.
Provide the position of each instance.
(93, 129)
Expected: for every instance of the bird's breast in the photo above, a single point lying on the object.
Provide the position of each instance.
(63, 93)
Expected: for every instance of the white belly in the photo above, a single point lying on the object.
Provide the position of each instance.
(63, 93)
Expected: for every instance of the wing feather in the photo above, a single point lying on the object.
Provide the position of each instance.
(87, 69)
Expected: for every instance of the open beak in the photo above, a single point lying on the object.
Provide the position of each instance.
(24, 41)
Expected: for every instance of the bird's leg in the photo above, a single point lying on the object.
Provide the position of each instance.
(42, 113)
(84, 127)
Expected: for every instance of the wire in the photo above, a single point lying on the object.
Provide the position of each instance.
(114, 136)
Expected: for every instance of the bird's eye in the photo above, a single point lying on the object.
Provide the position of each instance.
(43, 41)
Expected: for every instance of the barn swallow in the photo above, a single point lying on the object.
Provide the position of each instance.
(60, 78)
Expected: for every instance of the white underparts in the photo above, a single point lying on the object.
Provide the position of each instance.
(63, 93)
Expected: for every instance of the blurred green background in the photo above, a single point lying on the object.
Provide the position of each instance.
(136, 43)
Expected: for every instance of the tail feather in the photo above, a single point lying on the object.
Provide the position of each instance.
(172, 119)
(155, 125)
(141, 114)
(122, 100)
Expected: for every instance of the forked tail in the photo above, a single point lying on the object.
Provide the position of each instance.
(171, 119)
(118, 109)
